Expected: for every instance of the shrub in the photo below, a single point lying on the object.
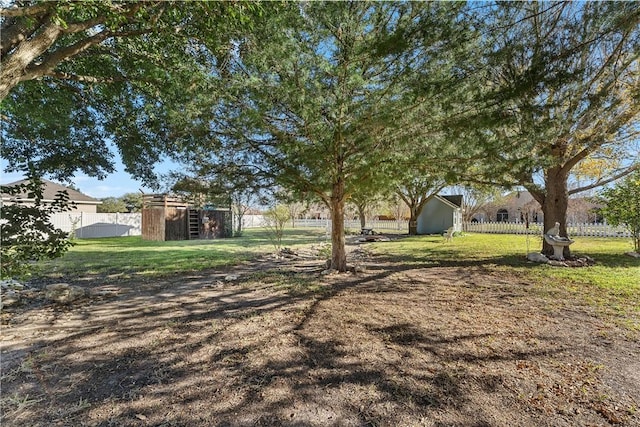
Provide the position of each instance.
(275, 219)
(27, 235)
(622, 206)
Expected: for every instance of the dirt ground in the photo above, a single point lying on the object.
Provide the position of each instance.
(285, 344)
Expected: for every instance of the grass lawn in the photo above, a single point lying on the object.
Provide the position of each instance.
(613, 283)
(613, 270)
(132, 255)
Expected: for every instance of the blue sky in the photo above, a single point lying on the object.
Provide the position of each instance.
(114, 185)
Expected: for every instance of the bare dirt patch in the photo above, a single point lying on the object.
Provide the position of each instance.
(285, 345)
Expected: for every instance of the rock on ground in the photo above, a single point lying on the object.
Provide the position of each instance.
(63, 293)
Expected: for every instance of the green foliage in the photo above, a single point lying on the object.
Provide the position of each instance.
(129, 202)
(115, 71)
(553, 96)
(622, 206)
(132, 201)
(111, 204)
(320, 97)
(416, 190)
(275, 220)
(27, 234)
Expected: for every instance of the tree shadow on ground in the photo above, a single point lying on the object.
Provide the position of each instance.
(371, 349)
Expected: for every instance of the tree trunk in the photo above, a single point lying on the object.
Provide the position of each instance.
(338, 253)
(413, 222)
(554, 207)
(239, 218)
(362, 217)
(414, 212)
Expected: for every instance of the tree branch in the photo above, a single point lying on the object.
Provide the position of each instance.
(600, 183)
(85, 79)
(60, 55)
(36, 9)
(16, 31)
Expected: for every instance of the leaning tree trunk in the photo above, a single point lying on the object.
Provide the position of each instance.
(554, 207)
(413, 221)
(338, 253)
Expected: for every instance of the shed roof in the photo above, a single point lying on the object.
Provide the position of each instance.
(455, 200)
(50, 191)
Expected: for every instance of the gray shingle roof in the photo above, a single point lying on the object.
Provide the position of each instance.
(456, 199)
(50, 191)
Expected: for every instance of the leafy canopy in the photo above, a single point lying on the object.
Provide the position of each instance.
(82, 79)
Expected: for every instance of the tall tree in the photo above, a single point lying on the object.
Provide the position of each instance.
(322, 103)
(76, 75)
(365, 204)
(416, 191)
(560, 86)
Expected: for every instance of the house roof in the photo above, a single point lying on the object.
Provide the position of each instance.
(519, 199)
(455, 200)
(50, 191)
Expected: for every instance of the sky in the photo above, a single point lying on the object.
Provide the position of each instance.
(114, 185)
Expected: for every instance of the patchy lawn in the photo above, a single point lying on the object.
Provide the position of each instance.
(416, 339)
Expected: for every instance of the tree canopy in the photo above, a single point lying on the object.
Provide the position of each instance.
(560, 98)
(333, 100)
(77, 76)
(323, 104)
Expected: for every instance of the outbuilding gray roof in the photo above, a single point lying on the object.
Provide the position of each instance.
(50, 191)
(456, 199)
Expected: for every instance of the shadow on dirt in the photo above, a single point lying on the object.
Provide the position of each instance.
(388, 347)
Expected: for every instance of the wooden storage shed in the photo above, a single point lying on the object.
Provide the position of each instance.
(167, 217)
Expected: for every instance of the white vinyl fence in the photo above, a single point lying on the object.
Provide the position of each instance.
(89, 225)
(377, 225)
(252, 221)
(593, 230)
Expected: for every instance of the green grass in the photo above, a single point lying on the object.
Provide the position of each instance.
(125, 256)
(613, 269)
(612, 284)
